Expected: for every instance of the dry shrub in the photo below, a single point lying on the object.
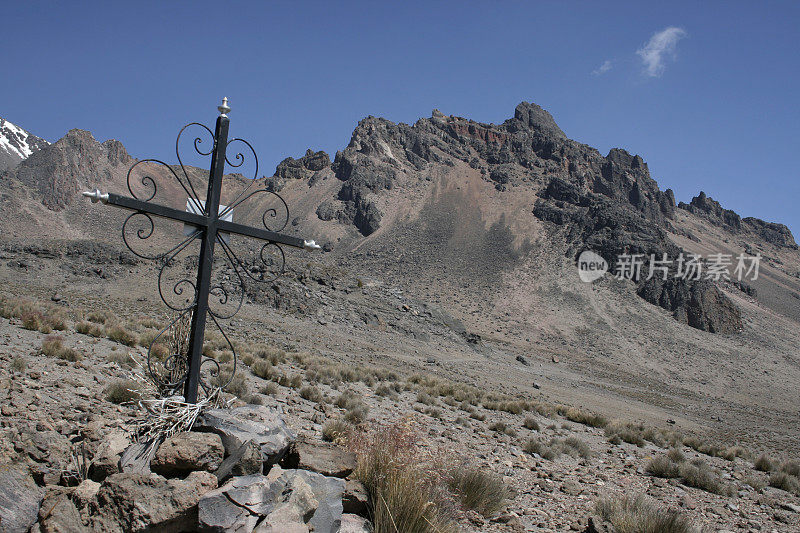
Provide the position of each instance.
(676, 455)
(119, 334)
(89, 328)
(53, 346)
(123, 359)
(702, 476)
(662, 466)
(575, 446)
(401, 483)
(791, 467)
(270, 389)
(263, 369)
(480, 490)
(123, 391)
(312, 394)
(755, 481)
(531, 423)
(764, 463)
(784, 481)
(638, 514)
(586, 418)
(336, 430)
(18, 364)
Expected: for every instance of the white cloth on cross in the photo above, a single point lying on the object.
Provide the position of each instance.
(192, 206)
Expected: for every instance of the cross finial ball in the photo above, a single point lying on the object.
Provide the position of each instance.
(224, 109)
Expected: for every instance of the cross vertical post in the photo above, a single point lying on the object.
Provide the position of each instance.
(197, 332)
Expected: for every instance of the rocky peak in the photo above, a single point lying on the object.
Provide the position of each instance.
(58, 171)
(536, 119)
(711, 210)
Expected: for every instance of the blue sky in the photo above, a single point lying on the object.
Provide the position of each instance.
(711, 104)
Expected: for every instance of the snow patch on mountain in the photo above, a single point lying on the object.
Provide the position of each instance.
(16, 144)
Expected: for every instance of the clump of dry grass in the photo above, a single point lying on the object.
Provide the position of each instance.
(662, 466)
(400, 482)
(554, 448)
(89, 328)
(638, 514)
(293, 382)
(336, 430)
(123, 391)
(586, 418)
(784, 481)
(478, 489)
(312, 394)
(697, 474)
(53, 346)
(764, 463)
(263, 369)
(119, 334)
(122, 358)
(18, 364)
(531, 423)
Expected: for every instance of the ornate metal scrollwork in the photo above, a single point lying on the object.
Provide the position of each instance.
(167, 360)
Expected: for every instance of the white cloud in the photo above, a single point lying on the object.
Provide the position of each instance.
(661, 46)
(602, 69)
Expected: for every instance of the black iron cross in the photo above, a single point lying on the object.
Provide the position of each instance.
(209, 224)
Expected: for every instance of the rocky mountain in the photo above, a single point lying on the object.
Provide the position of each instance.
(16, 144)
(529, 185)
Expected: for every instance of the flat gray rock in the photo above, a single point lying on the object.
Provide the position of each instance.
(19, 499)
(258, 423)
(248, 502)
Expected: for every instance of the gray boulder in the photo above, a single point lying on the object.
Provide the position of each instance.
(19, 498)
(257, 423)
(283, 500)
(320, 457)
(243, 462)
(149, 502)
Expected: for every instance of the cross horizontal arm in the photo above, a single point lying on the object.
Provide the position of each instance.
(200, 220)
(257, 233)
(155, 209)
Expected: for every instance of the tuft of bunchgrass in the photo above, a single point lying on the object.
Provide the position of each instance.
(121, 335)
(401, 490)
(123, 391)
(336, 430)
(638, 514)
(53, 346)
(478, 489)
(18, 364)
(312, 394)
(531, 423)
(784, 481)
(764, 463)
